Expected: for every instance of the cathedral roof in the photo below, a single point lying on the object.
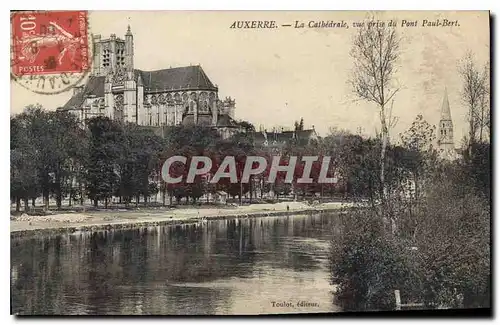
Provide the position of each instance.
(93, 87)
(191, 77)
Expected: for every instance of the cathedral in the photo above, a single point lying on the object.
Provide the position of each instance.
(166, 97)
(446, 143)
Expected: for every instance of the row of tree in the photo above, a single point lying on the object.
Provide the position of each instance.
(53, 156)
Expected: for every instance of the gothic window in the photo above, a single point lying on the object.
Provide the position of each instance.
(119, 102)
(185, 97)
(191, 107)
(154, 100)
(193, 95)
(161, 99)
(205, 106)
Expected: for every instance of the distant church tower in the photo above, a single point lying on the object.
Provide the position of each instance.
(446, 145)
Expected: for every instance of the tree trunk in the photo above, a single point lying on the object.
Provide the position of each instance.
(472, 130)
(26, 205)
(384, 136)
(46, 201)
(241, 191)
(70, 196)
(105, 203)
(33, 202)
(251, 188)
(96, 202)
(482, 120)
(58, 191)
(81, 193)
(18, 204)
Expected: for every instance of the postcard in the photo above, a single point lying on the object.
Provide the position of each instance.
(250, 162)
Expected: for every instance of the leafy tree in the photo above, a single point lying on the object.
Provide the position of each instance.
(23, 164)
(102, 176)
(53, 144)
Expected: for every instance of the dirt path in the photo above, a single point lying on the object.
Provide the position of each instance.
(116, 219)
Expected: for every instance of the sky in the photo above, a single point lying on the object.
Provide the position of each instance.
(280, 75)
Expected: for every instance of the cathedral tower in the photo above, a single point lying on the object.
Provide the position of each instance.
(446, 143)
(110, 54)
(129, 50)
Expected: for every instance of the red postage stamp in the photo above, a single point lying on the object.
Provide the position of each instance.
(49, 42)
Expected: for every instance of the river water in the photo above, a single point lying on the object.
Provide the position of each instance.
(243, 266)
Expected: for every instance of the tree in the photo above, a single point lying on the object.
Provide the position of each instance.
(299, 126)
(247, 126)
(23, 163)
(375, 53)
(475, 94)
(102, 177)
(68, 149)
(417, 140)
(52, 143)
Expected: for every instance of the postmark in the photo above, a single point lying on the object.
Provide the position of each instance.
(50, 50)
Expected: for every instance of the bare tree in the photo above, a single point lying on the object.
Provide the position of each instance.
(485, 104)
(375, 52)
(475, 94)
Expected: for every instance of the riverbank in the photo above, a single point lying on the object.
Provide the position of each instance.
(126, 219)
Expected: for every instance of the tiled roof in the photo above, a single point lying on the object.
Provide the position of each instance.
(191, 77)
(74, 102)
(94, 87)
(225, 120)
(202, 120)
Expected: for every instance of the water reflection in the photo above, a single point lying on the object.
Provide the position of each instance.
(222, 267)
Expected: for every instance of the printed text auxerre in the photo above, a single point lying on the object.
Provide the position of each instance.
(254, 24)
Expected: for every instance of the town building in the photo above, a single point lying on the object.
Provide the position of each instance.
(277, 139)
(166, 97)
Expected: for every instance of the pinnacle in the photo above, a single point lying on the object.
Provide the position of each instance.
(445, 108)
